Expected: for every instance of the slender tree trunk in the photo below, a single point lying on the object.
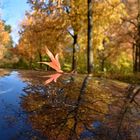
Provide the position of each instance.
(30, 63)
(138, 41)
(102, 64)
(134, 57)
(136, 53)
(40, 59)
(90, 39)
(139, 58)
(74, 60)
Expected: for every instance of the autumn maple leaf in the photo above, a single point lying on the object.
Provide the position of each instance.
(52, 77)
(55, 64)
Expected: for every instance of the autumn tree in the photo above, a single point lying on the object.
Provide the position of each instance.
(90, 38)
(137, 46)
(76, 17)
(40, 30)
(70, 12)
(131, 31)
(4, 39)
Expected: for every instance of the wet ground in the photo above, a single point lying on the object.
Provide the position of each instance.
(76, 107)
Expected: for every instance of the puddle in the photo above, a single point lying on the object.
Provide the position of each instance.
(75, 107)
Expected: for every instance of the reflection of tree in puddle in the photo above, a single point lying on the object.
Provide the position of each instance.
(69, 110)
(123, 122)
(74, 108)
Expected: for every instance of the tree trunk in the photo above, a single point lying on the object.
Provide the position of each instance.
(134, 57)
(102, 64)
(30, 63)
(138, 41)
(90, 39)
(40, 59)
(137, 58)
(74, 60)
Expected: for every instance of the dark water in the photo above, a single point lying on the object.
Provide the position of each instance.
(75, 107)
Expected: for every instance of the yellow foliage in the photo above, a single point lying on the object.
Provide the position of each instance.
(4, 35)
(4, 39)
(40, 29)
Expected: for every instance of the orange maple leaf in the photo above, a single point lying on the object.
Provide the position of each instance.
(55, 64)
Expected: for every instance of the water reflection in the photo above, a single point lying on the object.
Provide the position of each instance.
(11, 122)
(71, 109)
(81, 108)
(76, 107)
